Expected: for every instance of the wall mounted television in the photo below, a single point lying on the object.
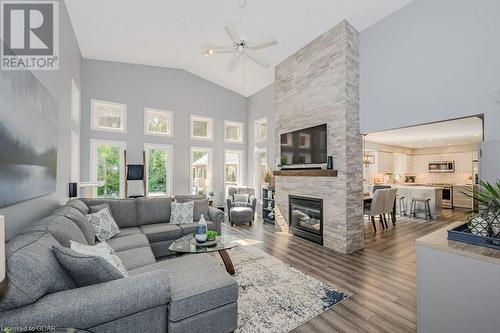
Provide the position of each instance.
(305, 148)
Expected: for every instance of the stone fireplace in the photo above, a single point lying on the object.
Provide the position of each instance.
(320, 84)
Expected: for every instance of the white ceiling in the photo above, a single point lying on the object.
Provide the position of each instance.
(172, 33)
(448, 133)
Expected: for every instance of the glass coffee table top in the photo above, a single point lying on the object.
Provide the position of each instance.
(184, 244)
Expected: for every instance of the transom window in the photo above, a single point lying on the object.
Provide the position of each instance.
(108, 116)
(260, 129)
(233, 131)
(201, 127)
(158, 122)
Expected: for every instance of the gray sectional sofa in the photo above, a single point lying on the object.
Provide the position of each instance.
(190, 293)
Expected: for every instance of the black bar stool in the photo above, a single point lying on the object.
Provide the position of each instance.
(402, 205)
(426, 210)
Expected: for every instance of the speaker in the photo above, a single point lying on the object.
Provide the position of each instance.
(329, 163)
(73, 189)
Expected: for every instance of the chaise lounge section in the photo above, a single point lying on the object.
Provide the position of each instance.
(170, 295)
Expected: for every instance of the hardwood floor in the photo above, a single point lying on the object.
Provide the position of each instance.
(381, 278)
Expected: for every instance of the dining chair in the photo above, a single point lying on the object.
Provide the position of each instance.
(377, 207)
(390, 200)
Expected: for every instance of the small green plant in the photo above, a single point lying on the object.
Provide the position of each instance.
(267, 176)
(211, 234)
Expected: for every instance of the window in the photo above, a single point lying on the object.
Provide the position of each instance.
(201, 127)
(260, 129)
(201, 170)
(159, 169)
(233, 132)
(158, 122)
(232, 167)
(108, 116)
(75, 102)
(75, 157)
(260, 168)
(107, 166)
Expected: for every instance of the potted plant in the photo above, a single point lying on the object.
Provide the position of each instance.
(267, 178)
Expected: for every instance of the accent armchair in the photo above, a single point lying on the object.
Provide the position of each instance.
(241, 204)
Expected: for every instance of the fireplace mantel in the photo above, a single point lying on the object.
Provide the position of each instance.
(306, 173)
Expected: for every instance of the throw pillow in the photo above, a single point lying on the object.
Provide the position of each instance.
(182, 213)
(104, 224)
(238, 197)
(87, 269)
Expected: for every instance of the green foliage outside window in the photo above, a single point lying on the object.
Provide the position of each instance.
(157, 171)
(108, 170)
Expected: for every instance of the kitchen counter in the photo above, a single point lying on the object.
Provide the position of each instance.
(457, 285)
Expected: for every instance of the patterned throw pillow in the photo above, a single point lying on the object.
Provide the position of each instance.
(104, 224)
(102, 250)
(182, 213)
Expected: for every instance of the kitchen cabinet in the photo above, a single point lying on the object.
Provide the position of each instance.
(385, 162)
(421, 163)
(461, 200)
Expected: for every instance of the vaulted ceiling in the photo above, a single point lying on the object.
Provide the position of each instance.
(172, 33)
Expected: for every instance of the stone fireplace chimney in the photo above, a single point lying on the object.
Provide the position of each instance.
(320, 84)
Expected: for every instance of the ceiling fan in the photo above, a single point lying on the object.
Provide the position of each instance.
(241, 48)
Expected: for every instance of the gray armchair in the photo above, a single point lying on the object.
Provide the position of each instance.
(241, 204)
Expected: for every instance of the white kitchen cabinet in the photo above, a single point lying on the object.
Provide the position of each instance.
(421, 163)
(385, 162)
(463, 162)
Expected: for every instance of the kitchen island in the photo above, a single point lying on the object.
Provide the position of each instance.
(435, 193)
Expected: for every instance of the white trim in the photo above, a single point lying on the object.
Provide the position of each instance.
(256, 123)
(256, 183)
(76, 100)
(241, 127)
(210, 169)
(74, 156)
(210, 128)
(241, 165)
(94, 143)
(169, 149)
(170, 129)
(123, 121)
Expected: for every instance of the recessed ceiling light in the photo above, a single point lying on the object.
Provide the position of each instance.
(476, 135)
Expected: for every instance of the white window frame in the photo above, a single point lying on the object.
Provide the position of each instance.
(94, 143)
(256, 124)
(74, 156)
(169, 149)
(210, 170)
(170, 130)
(240, 126)
(257, 152)
(75, 102)
(123, 121)
(241, 176)
(210, 129)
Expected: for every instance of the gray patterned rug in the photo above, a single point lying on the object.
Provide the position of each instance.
(275, 297)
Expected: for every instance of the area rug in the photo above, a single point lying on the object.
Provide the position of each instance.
(275, 297)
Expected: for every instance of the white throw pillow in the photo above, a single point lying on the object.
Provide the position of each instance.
(102, 250)
(104, 224)
(182, 213)
(238, 197)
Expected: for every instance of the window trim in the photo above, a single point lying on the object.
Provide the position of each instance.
(75, 156)
(170, 114)
(94, 143)
(93, 126)
(76, 102)
(210, 170)
(169, 149)
(240, 167)
(210, 130)
(238, 124)
(256, 124)
(257, 152)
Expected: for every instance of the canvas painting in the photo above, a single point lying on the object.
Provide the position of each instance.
(28, 138)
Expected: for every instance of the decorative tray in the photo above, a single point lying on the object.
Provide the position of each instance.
(205, 244)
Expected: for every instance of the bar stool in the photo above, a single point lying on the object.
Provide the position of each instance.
(402, 205)
(427, 207)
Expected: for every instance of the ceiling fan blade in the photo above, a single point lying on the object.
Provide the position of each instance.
(217, 49)
(232, 32)
(234, 61)
(258, 59)
(263, 45)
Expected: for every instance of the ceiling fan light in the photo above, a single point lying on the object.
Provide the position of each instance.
(209, 52)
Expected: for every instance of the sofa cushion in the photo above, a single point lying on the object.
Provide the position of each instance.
(104, 224)
(86, 269)
(79, 219)
(200, 208)
(78, 204)
(135, 258)
(97, 208)
(189, 228)
(129, 231)
(187, 198)
(161, 232)
(153, 210)
(63, 229)
(191, 292)
(123, 210)
(33, 270)
(128, 242)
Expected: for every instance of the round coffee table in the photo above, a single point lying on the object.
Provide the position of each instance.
(222, 244)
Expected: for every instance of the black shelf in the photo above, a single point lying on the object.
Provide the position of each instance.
(267, 199)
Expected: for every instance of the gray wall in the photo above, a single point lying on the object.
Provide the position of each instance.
(261, 104)
(58, 83)
(175, 90)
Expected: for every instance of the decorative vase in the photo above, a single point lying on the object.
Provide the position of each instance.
(201, 230)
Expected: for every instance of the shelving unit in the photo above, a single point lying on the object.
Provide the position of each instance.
(268, 204)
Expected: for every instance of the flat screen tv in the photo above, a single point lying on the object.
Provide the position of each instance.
(305, 147)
